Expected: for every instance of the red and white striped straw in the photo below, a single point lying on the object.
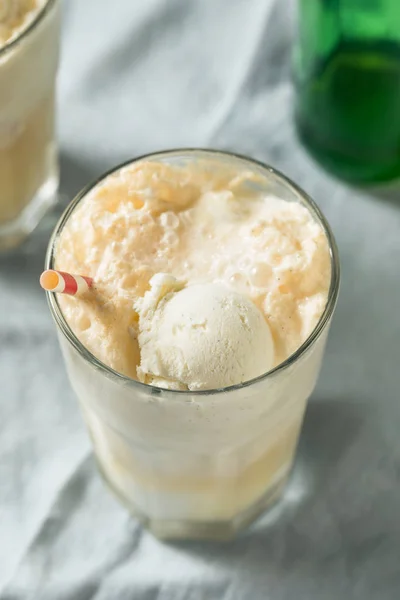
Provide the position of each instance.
(65, 283)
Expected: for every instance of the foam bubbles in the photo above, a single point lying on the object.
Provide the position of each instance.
(170, 239)
(260, 275)
(169, 220)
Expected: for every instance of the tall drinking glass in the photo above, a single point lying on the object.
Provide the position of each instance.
(197, 464)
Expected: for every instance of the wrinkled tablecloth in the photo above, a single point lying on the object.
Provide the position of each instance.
(142, 76)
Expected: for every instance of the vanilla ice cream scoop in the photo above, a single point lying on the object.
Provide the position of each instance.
(200, 337)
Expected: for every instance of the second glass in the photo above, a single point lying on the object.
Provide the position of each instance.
(28, 157)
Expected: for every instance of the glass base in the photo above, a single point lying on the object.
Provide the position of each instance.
(212, 530)
(218, 530)
(13, 233)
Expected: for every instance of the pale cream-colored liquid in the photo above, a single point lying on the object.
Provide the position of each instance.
(24, 159)
(28, 63)
(210, 493)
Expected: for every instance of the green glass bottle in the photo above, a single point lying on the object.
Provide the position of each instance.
(347, 69)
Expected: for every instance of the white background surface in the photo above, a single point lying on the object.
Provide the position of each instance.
(142, 76)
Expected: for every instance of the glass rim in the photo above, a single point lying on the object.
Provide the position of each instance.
(333, 292)
(8, 46)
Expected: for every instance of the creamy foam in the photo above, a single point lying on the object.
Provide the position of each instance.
(200, 227)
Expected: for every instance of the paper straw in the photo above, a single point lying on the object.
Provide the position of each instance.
(65, 283)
